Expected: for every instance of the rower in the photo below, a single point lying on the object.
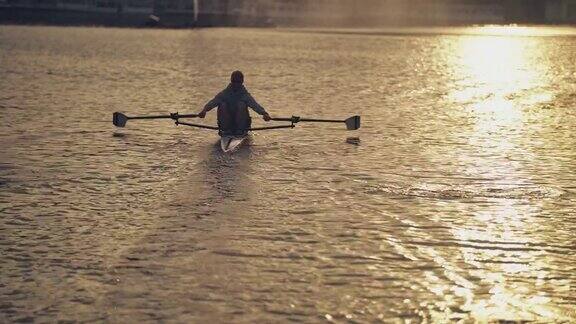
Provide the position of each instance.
(233, 103)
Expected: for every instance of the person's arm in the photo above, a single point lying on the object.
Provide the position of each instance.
(209, 106)
(256, 107)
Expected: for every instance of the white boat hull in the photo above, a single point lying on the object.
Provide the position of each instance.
(230, 144)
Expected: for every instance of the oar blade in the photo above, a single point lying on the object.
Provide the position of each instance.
(353, 123)
(119, 119)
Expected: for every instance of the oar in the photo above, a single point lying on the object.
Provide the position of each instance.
(196, 125)
(119, 119)
(250, 129)
(352, 123)
(271, 127)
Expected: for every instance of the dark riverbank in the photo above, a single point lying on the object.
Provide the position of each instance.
(245, 15)
(119, 18)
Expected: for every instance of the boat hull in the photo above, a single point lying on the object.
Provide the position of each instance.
(229, 143)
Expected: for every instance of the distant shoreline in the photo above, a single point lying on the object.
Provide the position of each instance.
(503, 30)
(470, 30)
(183, 20)
(68, 17)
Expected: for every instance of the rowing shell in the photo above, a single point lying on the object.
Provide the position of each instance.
(230, 144)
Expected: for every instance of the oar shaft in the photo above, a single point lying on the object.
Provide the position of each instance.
(196, 125)
(296, 119)
(282, 119)
(173, 116)
(271, 127)
(188, 116)
(352, 123)
(251, 129)
(322, 120)
(149, 117)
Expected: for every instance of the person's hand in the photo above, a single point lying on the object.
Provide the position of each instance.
(202, 114)
(266, 117)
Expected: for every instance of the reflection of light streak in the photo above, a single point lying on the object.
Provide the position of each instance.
(499, 79)
(508, 297)
(494, 70)
(513, 30)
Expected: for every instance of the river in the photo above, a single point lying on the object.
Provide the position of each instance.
(455, 200)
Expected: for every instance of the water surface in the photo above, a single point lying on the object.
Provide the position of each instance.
(457, 202)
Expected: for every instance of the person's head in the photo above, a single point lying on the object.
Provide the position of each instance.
(237, 77)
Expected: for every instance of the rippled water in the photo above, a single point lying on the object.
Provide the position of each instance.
(457, 203)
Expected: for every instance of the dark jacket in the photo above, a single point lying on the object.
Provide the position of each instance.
(232, 95)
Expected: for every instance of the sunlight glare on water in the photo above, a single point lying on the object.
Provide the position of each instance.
(504, 79)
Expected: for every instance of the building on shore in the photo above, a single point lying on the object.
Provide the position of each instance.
(340, 13)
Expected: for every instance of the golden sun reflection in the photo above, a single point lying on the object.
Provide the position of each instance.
(504, 268)
(515, 30)
(499, 82)
(510, 30)
(493, 73)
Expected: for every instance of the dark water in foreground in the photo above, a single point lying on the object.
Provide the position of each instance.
(458, 202)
